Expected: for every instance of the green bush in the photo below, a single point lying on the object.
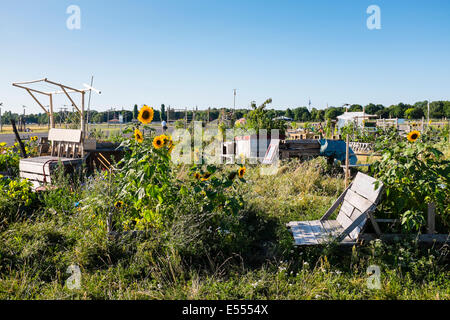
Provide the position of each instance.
(415, 174)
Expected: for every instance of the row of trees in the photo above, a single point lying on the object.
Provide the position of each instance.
(438, 109)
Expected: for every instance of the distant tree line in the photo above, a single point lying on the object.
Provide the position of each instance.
(438, 109)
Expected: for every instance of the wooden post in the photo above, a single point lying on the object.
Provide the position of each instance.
(22, 147)
(431, 218)
(82, 120)
(51, 119)
(346, 160)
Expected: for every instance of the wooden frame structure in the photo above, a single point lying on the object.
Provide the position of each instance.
(63, 89)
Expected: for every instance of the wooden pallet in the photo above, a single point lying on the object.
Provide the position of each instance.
(303, 148)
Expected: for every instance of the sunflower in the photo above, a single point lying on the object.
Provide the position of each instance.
(206, 176)
(241, 172)
(138, 136)
(146, 115)
(118, 204)
(413, 136)
(167, 140)
(197, 175)
(34, 138)
(158, 142)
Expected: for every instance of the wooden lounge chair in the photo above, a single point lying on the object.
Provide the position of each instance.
(66, 147)
(357, 202)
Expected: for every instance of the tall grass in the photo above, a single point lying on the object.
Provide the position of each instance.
(36, 252)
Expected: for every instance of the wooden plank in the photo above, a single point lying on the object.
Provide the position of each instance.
(34, 168)
(344, 220)
(36, 165)
(347, 208)
(332, 227)
(357, 201)
(354, 228)
(65, 135)
(319, 232)
(303, 141)
(303, 234)
(35, 177)
(355, 214)
(364, 185)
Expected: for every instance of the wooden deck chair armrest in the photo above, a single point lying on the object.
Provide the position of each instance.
(335, 205)
(351, 227)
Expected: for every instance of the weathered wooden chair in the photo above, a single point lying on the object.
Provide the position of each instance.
(66, 147)
(357, 202)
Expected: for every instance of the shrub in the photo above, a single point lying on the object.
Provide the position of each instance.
(17, 200)
(414, 174)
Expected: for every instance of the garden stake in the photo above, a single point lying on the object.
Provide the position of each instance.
(22, 147)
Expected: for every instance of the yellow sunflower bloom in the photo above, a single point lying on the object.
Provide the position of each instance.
(241, 172)
(138, 136)
(158, 142)
(118, 204)
(206, 176)
(146, 115)
(167, 140)
(413, 136)
(197, 175)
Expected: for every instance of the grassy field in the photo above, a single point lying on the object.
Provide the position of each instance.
(214, 233)
(37, 251)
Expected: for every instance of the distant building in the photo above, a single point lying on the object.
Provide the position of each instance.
(283, 118)
(352, 117)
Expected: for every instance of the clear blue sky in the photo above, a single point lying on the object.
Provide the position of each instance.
(194, 52)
